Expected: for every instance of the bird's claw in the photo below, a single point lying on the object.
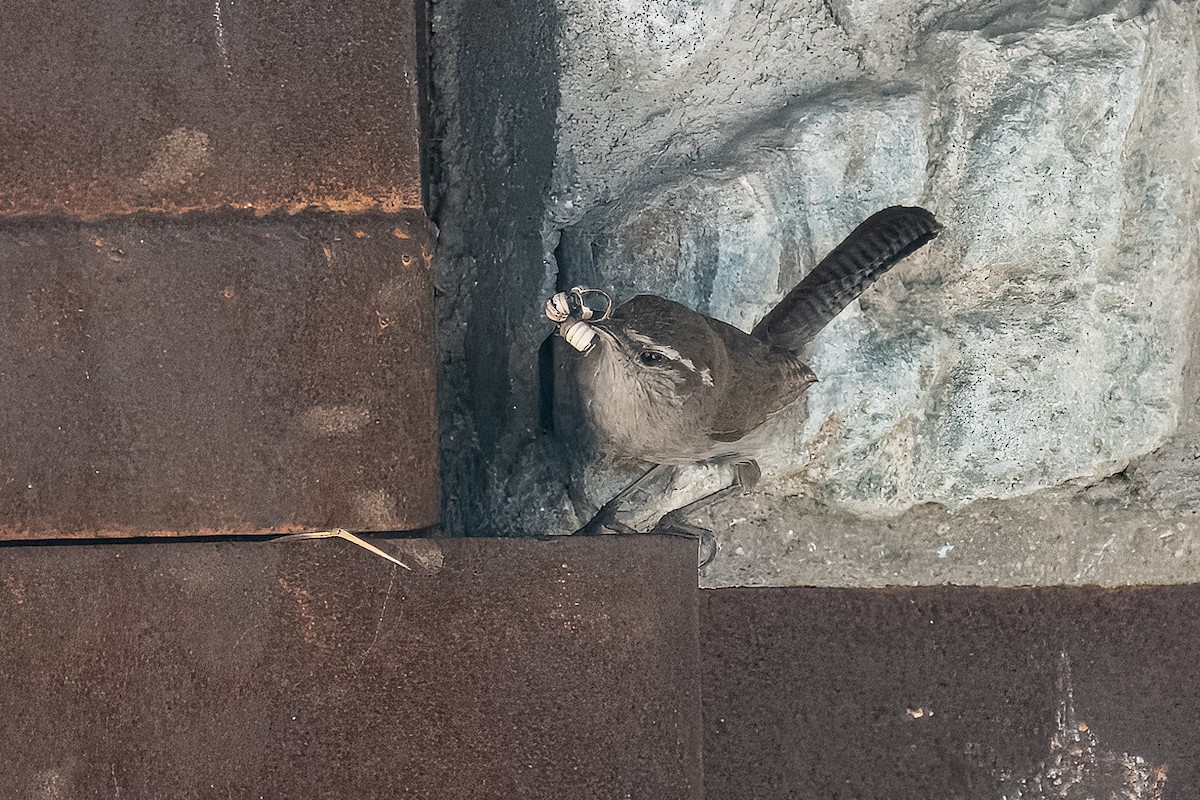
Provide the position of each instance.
(673, 524)
(605, 519)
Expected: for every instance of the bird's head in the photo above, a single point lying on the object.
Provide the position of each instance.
(662, 347)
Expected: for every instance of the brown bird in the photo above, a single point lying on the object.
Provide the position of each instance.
(667, 385)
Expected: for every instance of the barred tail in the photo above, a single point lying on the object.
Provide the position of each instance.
(866, 254)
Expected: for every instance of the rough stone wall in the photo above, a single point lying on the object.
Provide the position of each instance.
(714, 151)
(493, 100)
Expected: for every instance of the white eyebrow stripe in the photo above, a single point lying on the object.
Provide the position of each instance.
(637, 337)
(669, 352)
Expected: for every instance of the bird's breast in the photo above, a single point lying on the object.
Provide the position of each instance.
(647, 415)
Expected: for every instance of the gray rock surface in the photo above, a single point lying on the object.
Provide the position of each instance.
(1103, 535)
(712, 152)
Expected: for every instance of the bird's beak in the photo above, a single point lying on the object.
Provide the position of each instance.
(601, 327)
(809, 376)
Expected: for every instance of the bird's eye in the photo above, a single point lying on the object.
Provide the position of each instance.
(651, 357)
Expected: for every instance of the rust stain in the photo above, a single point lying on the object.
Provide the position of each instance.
(221, 456)
(304, 607)
(50, 785)
(350, 202)
(335, 419)
(206, 644)
(172, 136)
(37, 530)
(373, 509)
(424, 554)
(179, 158)
(15, 589)
(88, 208)
(849, 652)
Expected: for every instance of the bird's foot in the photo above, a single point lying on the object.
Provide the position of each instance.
(673, 524)
(605, 521)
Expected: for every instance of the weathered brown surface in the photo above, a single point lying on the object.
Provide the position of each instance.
(497, 669)
(216, 376)
(174, 105)
(951, 693)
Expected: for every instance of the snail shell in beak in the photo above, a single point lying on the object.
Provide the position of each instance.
(578, 333)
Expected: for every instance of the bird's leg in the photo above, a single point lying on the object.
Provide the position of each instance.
(605, 519)
(673, 523)
(652, 483)
(745, 476)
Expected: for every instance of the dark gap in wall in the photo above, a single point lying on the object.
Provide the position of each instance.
(424, 116)
(546, 351)
(561, 284)
(495, 86)
(546, 385)
(427, 532)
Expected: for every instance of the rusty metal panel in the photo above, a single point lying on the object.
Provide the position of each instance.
(175, 105)
(503, 669)
(216, 376)
(951, 693)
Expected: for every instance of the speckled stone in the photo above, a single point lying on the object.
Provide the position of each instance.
(1041, 339)
(1033, 361)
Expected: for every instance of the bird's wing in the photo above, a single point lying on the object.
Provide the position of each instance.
(762, 382)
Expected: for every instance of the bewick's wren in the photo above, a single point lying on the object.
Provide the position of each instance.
(667, 385)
